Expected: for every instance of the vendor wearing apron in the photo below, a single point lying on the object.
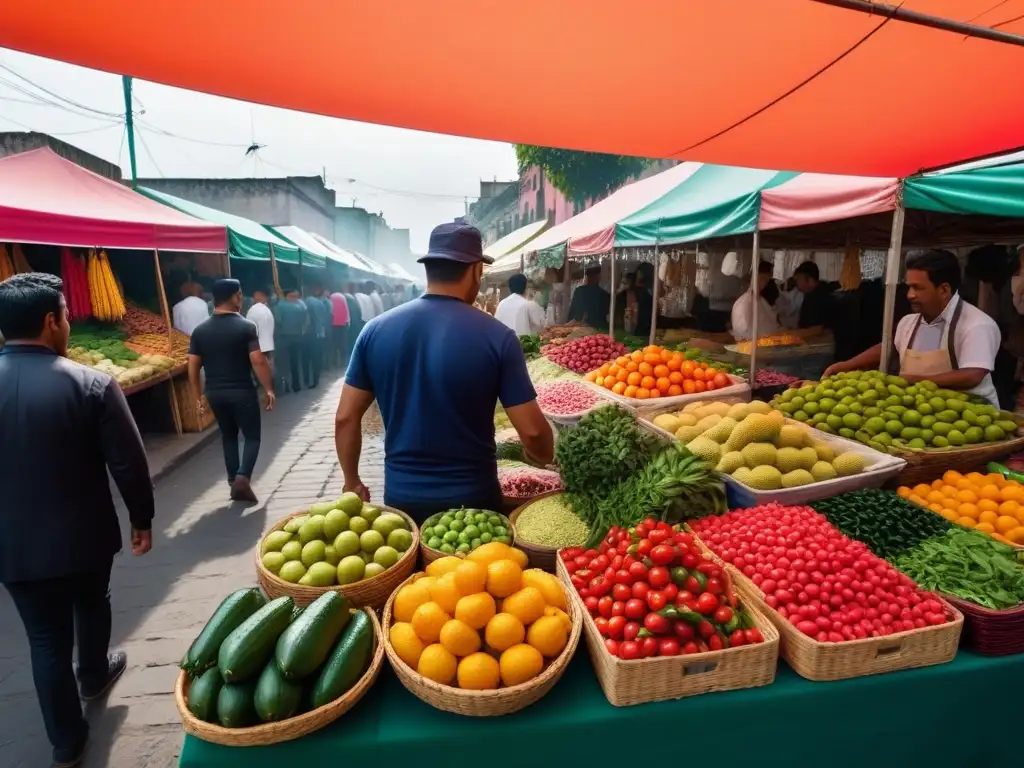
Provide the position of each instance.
(946, 340)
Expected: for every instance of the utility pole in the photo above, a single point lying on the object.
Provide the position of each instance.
(129, 124)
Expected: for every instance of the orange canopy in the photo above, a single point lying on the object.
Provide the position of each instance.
(788, 84)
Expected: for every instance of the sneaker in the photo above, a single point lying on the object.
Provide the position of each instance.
(117, 662)
(241, 490)
(69, 758)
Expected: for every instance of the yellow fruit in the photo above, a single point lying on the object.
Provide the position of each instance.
(949, 491)
(969, 510)
(503, 577)
(950, 515)
(966, 522)
(975, 477)
(922, 489)
(459, 638)
(470, 577)
(409, 598)
(1009, 508)
(445, 593)
(1012, 492)
(904, 491)
(479, 672)
(548, 635)
(475, 610)
(548, 585)
(437, 664)
(561, 615)
(443, 565)
(967, 496)
(988, 505)
(918, 500)
(518, 556)
(426, 581)
(406, 643)
(428, 620)
(487, 553)
(988, 516)
(503, 631)
(1006, 523)
(1016, 535)
(936, 508)
(527, 605)
(520, 663)
(985, 528)
(989, 491)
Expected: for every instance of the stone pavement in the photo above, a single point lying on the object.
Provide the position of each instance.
(203, 548)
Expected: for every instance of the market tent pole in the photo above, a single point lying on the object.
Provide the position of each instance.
(273, 273)
(654, 293)
(611, 284)
(175, 413)
(892, 278)
(755, 261)
(129, 125)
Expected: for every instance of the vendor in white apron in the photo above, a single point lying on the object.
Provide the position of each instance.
(945, 340)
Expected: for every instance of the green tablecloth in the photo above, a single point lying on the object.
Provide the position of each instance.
(959, 714)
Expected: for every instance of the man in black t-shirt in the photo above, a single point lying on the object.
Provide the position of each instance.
(818, 308)
(227, 349)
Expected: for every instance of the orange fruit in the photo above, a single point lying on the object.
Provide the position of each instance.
(445, 592)
(653, 358)
(655, 393)
(938, 485)
(603, 370)
(951, 476)
(488, 553)
(975, 477)
(527, 605)
(950, 515)
(631, 366)
(459, 639)
(663, 384)
(1020, 514)
(409, 598)
(479, 672)
(969, 496)
(591, 375)
(698, 374)
(918, 500)
(503, 578)
(675, 390)
(613, 369)
(699, 386)
(549, 635)
(966, 522)
(950, 491)
(405, 642)
(1009, 508)
(599, 381)
(903, 492)
(952, 503)
(643, 393)
(1006, 523)
(988, 505)
(1012, 492)
(996, 479)
(988, 517)
(687, 368)
(666, 355)
(936, 508)
(637, 356)
(648, 382)
(1016, 535)
(935, 497)
(621, 375)
(969, 510)
(630, 391)
(475, 610)
(922, 489)
(520, 663)
(689, 387)
(652, 348)
(963, 484)
(985, 528)
(660, 370)
(675, 363)
(675, 377)
(634, 379)
(988, 491)
(503, 631)
(470, 577)
(438, 664)
(619, 388)
(428, 620)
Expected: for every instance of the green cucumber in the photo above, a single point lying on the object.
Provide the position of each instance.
(235, 707)
(275, 697)
(347, 663)
(236, 608)
(251, 645)
(297, 611)
(305, 644)
(202, 695)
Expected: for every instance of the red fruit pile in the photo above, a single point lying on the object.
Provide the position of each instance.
(652, 592)
(527, 482)
(565, 397)
(585, 354)
(829, 587)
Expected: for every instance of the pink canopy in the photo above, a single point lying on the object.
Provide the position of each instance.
(813, 198)
(47, 199)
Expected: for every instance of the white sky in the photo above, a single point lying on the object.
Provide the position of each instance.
(428, 175)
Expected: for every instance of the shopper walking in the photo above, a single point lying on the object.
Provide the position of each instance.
(227, 348)
(292, 320)
(62, 427)
(315, 339)
(340, 319)
(262, 317)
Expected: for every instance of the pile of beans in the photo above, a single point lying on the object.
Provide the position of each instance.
(550, 522)
(563, 398)
(527, 482)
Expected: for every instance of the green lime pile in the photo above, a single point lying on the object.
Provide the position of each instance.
(463, 530)
(337, 542)
(887, 411)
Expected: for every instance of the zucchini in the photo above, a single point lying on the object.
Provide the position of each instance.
(347, 663)
(235, 707)
(202, 695)
(276, 698)
(251, 645)
(236, 608)
(297, 611)
(305, 644)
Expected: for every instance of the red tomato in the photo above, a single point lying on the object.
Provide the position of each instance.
(604, 606)
(722, 615)
(629, 649)
(638, 571)
(683, 630)
(618, 608)
(615, 626)
(622, 592)
(644, 547)
(656, 624)
(648, 647)
(640, 590)
(599, 563)
(635, 609)
(656, 600)
(707, 603)
(591, 603)
(737, 639)
(582, 561)
(668, 646)
(611, 646)
(690, 647)
(715, 643)
(658, 577)
(663, 554)
(631, 630)
(602, 625)
(706, 630)
(600, 586)
(715, 586)
(670, 591)
(659, 536)
(623, 577)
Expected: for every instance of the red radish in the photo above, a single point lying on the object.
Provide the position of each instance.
(563, 398)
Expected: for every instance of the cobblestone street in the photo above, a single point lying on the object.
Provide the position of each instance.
(203, 548)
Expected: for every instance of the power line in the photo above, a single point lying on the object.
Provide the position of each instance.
(142, 141)
(170, 134)
(55, 95)
(41, 100)
(61, 133)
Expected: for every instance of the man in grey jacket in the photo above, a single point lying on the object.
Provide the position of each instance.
(62, 426)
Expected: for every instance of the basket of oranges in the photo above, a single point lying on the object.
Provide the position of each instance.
(664, 374)
(481, 636)
(989, 503)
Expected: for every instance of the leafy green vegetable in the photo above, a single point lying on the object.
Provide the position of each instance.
(966, 564)
(531, 345)
(885, 522)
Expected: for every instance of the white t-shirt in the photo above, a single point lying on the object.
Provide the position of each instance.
(261, 316)
(189, 313)
(366, 307)
(378, 304)
(520, 314)
(743, 318)
(976, 341)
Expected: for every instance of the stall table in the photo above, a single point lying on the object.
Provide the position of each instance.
(958, 714)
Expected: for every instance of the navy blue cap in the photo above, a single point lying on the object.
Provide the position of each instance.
(457, 242)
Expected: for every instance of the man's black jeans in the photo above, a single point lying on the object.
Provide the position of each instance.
(313, 352)
(237, 410)
(55, 612)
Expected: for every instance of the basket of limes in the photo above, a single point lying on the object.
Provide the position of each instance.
(459, 531)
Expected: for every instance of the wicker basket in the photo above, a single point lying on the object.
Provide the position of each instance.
(853, 658)
(192, 419)
(286, 730)
(503, 701)
(640, 681)
(539, 555)
(925, 466)
(372, 592)
(430, 555)
(990, 632)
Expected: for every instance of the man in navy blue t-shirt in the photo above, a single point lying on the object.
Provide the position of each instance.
(437, 367)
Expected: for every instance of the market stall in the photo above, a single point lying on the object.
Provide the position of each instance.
(69, 221)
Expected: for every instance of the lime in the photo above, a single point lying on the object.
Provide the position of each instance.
(371, 541)
(434, 542)
(385, 524)
(292, 571)
(349, 503)
(370, 513)
(927, 435)
(884, 438)
(314, 552)
(457, 525)
(797, 402)
(351, 569)
(331, 555)
(984, 420)
(974, 435)
(924, 407)
(856, 407)
(852, 420)
(927, 421)
(940, 442)
(359, 525)
(909, 433)
(992, 433)
(485, 537)
(810, 407)
(875, 425)
(464, 548)
(848, 433)
(451, 537)
(827, 404)
(871, 412)
(321, 508)
(956, 437)
(373, 569)
(401, 540)
(447, 548)
(942, 428)
(322, 574)
(475, 543)
(818, 418)
(960, 425)
(335, 522)
(386, 556)
(292, 550)
(346, 543)
(313, 529)
(840, 410)
(894, 427)
(834, 421)
(917, 442)
(273, 561)
(911, 419)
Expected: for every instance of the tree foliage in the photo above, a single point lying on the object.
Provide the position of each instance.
(580, 175)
